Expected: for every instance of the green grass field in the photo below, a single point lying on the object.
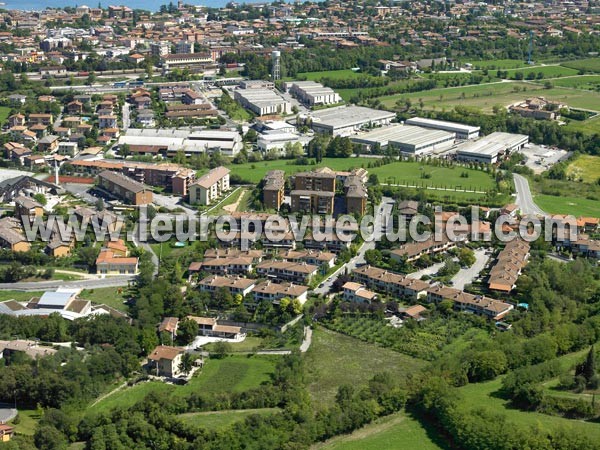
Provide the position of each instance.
(111, 296)
(486, 396)
(20, 296)
(591, 126)
(4, 113)
(589, 64)
(331, 351)
(231, 374)
(333, 74)
(442, 177)
(568, 205)
(590, 82)
(219, 420)
(397, 431)
(254, 172)
(585, 167)
(247, 345)
(28, 420)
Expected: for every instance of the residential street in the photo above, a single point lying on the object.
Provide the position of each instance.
(524, 199)
(383, 210)
(466, 276)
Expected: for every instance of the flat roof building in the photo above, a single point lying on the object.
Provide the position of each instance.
(463, 132)
(348, 120)
(491, 148)
(417, 141)
(262, 102)
(312, 93)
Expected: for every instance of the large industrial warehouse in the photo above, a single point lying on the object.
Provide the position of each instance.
(492, 147)
(347, 120)
(463, 132)
(262, 101)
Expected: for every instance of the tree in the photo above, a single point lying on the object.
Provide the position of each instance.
(466, 257)
(41, 199)
(221, 349)
(187, 363)
(187, 330)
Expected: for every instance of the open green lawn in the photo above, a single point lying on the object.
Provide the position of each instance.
(233, 373)
(333, 74)
(28, 420)
(589, 64)
(568, 205)
(414, 173)
(590, 126)
(111, 296)
(586, 167)
(20, 296)
(394, 432)
(335, 359)
(247, 345)
(4, 112)
(254, 172)
(486, 96)
(486, 395)
(219, 420)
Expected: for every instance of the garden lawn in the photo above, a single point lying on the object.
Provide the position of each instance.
(247, 345)
(586, 167)
(231, 374)
(335, 359)
(111, 296)
(397, 431)
(4, 112)
(254, 172)
(219, 420)
(28, 420)
(568, 205)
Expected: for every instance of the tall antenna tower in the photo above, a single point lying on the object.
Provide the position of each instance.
(276, 59)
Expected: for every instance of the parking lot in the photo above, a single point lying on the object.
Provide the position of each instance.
(541, 158)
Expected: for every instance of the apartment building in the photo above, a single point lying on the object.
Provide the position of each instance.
(357, 293)
(508, 266)
(209, 187)
(356, 195)
(11, 235)
(273, 189)
(125, 188)
(235, 285)
(289, 271)
(273, 292)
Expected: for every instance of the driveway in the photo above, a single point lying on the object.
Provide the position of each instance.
(466, 276)
(524, 198)
(431, 270)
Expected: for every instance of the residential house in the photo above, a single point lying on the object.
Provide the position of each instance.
(357, 293)
(165, 361)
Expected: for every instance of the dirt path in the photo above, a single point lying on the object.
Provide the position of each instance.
(118, 388)
(233, 207)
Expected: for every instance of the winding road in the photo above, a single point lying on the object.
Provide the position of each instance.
(524, 198)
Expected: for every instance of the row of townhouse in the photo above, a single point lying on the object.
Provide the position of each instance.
(397, 285)
(508, 266)
(265, 290)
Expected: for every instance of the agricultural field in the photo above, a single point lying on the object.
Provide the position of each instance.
(591, 125)
(231, 374)
(586, 168)
(588, 65)
(588, 82)
(333, 74)
(398, 431)
(254, 172)
(330, 351)
(219, 420)
(575, 206)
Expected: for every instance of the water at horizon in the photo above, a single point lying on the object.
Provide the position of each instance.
(150, 5)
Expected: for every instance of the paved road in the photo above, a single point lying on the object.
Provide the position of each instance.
(524, 198)
(466, 276)
(431, 270)
(116, 281)
(383, 210)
